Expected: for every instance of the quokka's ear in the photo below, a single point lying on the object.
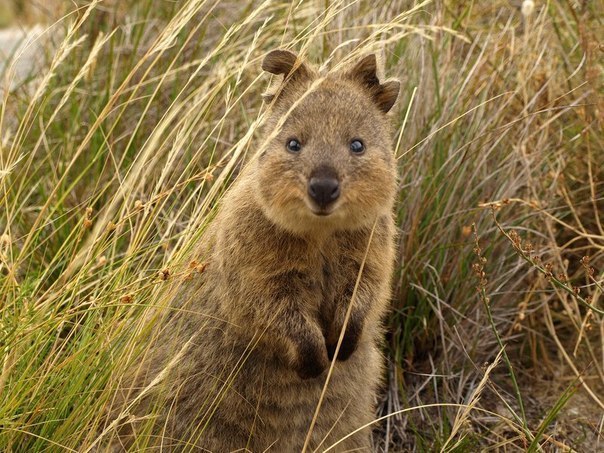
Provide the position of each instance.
(286, 63)
(383, 94)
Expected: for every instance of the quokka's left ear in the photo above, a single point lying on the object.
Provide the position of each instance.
(287, 64)
(365, 72)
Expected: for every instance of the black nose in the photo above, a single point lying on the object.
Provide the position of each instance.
(324, 190)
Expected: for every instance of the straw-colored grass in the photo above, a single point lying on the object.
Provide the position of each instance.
(115, 155)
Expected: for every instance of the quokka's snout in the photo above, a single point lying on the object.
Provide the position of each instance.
(324, 189)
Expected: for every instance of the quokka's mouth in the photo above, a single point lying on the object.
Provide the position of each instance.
(323, 212)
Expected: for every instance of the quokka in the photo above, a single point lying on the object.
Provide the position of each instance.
(283, 257)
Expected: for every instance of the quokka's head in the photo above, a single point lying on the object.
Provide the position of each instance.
(328, 161)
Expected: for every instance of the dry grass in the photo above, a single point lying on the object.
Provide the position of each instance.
(115, 156)
(20, 13)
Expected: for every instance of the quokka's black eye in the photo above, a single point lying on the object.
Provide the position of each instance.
(293, 145)
(357, 147)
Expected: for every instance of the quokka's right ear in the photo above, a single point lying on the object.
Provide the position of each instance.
(365, 72)
(286, 63)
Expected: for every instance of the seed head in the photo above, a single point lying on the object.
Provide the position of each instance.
(88, 218)
(4, 241)
(527, 8)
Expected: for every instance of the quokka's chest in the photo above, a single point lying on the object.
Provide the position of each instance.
(336, 275)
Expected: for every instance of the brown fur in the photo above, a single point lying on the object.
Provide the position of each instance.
(279, 280)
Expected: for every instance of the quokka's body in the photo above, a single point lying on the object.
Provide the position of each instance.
(241, 363)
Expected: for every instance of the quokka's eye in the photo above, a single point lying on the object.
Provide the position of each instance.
(293, 145)
(357, 147)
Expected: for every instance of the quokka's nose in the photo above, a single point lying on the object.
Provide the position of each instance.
(324, 190)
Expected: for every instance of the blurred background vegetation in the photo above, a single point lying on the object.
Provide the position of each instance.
(115, 152)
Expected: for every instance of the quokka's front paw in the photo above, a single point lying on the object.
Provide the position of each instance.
(349, 342)
(312, 361)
